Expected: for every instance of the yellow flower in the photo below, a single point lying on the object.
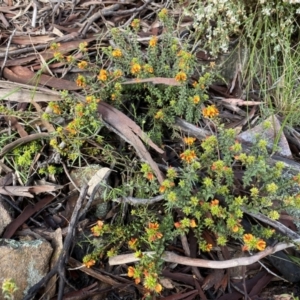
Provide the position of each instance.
(135, 68)
(261, 245)
(56, 109)
(113, 97)
(102, 75)
(181, 76)
(214, 202)
(189, 140)
(97, 229)
(158, 288)
(82, 65)
(153, 42)
(188, 155)
(89, 99)
(117, 53)
(163, 14)
(150, 176)
(210, 111)
(193, 223)
(54, 46)
(70, 58)
(58, 55)
(135, 24)
(148, 68)
(89, 263)
(162, 189)
(118, 73)
(196, 99)
(132, 243)
(154, 226)
(82, 46)
(235, 228)
(208, 247)
(131, 271)
(248, 237)
(81, 81)
(159, 115)
(177, 224)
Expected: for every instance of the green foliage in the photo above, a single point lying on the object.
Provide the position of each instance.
(9, 287)
(202, 196)
(83, 124)
(163, 57)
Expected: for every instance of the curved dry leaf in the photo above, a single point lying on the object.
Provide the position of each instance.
(24, 75)
(131, 132)
(27, 191)
(22, 191)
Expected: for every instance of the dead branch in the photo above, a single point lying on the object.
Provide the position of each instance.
(203, 263)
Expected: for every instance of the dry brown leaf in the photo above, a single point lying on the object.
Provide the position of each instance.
(7, 179)
(22, 95)
(31, 40)
(27, 191)
(37, 189)
(213, 279)
(24, 75)
(65, 47)
(155, 80)
(132, 133)
(16, 125)
(22, 191)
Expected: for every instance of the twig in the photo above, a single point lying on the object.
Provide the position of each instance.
(139, 201)
(34, 14)
(195, 262)
(6, 52)
(109, 11)
(103, 12)
(63, 258)
(6, 199)
(68, 241)
(277, 225)
(187, 251)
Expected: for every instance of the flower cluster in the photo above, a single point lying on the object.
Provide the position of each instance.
(252, 242)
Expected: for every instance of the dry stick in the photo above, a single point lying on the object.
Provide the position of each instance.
(34, 14)
(195, 262)
(187, 252)
(109, 11)
(63, 258)
(6, 52)
(277, 225)
(139, 201)
(103, 12)
(68, 241)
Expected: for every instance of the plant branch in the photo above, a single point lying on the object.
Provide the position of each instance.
(203, 263)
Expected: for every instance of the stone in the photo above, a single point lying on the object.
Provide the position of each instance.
(26, 262)
(270, 134)
(92, 175)
(5, 217)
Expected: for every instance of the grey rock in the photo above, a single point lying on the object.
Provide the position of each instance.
(5, 217)
(270, 134)
(26, 262)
